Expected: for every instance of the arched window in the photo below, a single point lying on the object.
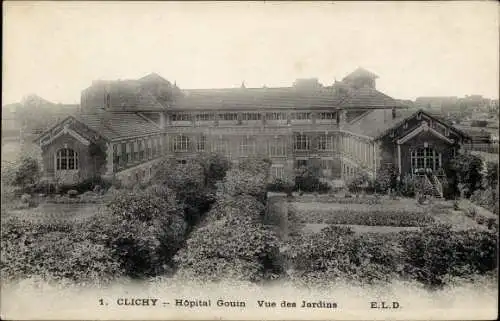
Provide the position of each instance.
(425, 158)
(66, 159)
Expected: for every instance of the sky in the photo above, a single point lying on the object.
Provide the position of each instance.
(56, 49)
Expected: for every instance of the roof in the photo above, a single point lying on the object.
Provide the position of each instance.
(378, 122)
(284, 97)
(369, 98)
(114, 125)
(252, 98)
(130, 95)
(360, 73)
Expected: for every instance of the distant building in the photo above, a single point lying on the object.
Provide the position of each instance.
(344, 128)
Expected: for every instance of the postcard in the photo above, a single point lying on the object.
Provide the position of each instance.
(249, 160)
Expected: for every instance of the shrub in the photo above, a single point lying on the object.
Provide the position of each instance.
(230, 247)
(26, 174)
(407, 186)
(238, 182)
(338, 253)
(438, 251)
(279, 185)
(88, 184)
(144, 231)
(55, 251)
(359, 182)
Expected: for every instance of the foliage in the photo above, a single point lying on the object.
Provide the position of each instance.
(336, 252)
(97, 152)
(308, 181)
(359, 182)
(53, 251)
(238, 182)
(465, 172)
(27, 173)
(386, 178)
(430, 256)
(487, 198)
(255, 165)
(370, 218)
(88, 184)
(279, 185)
(214, 166)
(407, 186)
(239, 247)
(438, 251)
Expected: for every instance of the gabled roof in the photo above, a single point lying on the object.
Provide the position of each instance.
(112, 125)
(379, 122)
(115, 125)
(360, 73)
(368, 98)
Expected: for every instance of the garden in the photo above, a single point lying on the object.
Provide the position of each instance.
(215, 221)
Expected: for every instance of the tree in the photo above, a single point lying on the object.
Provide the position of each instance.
(307, 180)
(387, 178)
(214, 167)
(464, 171)
(27, 173)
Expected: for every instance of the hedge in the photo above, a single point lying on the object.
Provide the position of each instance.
(429, 256)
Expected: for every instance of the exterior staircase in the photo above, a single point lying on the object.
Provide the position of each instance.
(437, 187)
(430, 185)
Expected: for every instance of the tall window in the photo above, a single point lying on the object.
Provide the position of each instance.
(141, 149)
(202, 141)
(116, 156)
(247, 146)
(302, 116)
(181, 144)
(276, 116)
(124, 158)
(301, 142)
(250, 116)
(325, 116)
(278, 172)
(181, 117)
(325, 142)
(220, 146)
(204, 117)
(66, 159)
(277, 147)
(228, 116)
(425, 158)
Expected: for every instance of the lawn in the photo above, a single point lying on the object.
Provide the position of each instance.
(389, 216)
(47, 212)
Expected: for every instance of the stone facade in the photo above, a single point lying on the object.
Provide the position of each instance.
(143, 121)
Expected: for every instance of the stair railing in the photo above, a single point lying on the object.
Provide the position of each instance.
(438, 185)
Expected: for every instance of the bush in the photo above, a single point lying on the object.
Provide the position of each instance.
(238, 182)
(338, 253)
(407, 186)
(232, 247)
(360, 182)
(437, 252)
(282, 186)
(26, 174)
(86, 185)
(54, 251)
